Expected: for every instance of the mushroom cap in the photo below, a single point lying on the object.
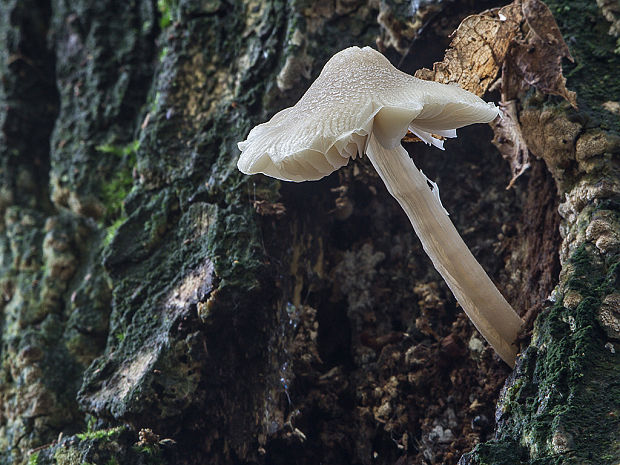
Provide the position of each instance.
(357, 92)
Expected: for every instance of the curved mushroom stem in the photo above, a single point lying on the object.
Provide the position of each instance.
(473, 289)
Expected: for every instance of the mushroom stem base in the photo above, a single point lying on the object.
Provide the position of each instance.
(492, 315)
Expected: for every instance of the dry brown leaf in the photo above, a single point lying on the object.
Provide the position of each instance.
(478, 49)
(536, 59)
(522, 40)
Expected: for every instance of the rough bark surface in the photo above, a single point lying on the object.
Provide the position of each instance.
(160, 307)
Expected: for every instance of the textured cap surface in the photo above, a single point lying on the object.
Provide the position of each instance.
(358, 91)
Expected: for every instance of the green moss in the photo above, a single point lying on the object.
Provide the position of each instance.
(562, 406)
(99, 434)
(165, 8)
(151, 453)
(113, 194)
(114, 191)
(162, 55)
(500, 453)
(122, 151)
(585, 278)
(111, 230)
(585, 31)
(33, 459)
(90, 433)
(111, 446)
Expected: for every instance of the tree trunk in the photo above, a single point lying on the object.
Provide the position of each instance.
(160, 307)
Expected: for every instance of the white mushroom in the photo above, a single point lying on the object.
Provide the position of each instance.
(361, 104)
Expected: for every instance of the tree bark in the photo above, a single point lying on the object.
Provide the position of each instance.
(160, 307)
